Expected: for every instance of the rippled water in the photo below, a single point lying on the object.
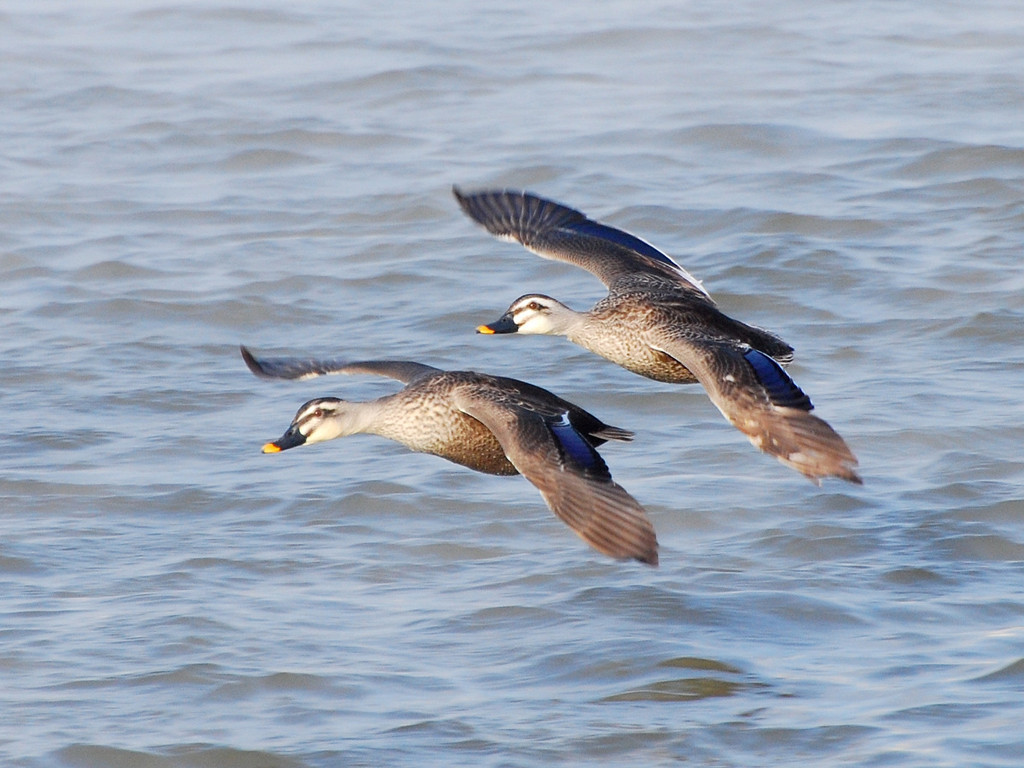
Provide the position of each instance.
(178, 178)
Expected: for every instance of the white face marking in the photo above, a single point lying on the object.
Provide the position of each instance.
(317, 423)
(539, 314)
(532, 320)
(532, 304)
(309, 421)
(531, 316)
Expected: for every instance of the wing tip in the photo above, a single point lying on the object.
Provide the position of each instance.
(252, 363)
(619, 527)
(642, 547)
(802, 441)
(827, 455)
(816, 475)
(649, 557)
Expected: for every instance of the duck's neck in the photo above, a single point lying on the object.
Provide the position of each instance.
(566, 322)
(390, 416)
(355, 419)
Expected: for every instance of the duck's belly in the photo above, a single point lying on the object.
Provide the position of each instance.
(472, 445)
(436, 428)
(624, 345)
(661, 367)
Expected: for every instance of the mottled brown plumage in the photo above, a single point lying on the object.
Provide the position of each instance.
(659, 322)
(492, 424)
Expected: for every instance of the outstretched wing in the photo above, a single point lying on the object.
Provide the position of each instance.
(299, 368)
(554, 231)
(567, 470)
(760, 399)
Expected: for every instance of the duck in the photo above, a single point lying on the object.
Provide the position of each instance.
(660, 322)
(491, 424)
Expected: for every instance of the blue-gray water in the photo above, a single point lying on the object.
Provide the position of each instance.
(176, 178)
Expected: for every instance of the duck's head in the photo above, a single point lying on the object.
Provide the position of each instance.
(321, 419)
(533, 313)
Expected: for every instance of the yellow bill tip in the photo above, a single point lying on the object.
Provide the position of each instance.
(484, 329)
(271, 448)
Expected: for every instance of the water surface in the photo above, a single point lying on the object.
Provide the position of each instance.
(182, 177)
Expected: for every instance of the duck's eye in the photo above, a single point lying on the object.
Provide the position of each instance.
(534, 306)
(319, 413)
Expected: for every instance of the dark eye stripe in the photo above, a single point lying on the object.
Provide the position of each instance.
(316, 413)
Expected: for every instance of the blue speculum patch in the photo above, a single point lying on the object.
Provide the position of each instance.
(589, 227)
(782, 390)
(574, 444)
